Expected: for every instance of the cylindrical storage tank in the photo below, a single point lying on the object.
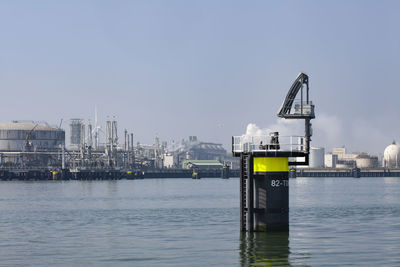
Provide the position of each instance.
(76, 130)
(343, 166)
(15, 135)
(365, 161)
(317, 157)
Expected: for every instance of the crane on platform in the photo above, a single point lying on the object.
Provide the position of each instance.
(264, 168)
(302, 110)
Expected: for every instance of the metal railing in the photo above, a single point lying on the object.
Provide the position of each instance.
(246, 143)
(303, 108)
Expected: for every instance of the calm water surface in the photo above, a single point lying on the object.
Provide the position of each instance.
(185, 222)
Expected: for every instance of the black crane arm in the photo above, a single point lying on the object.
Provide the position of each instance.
(302, 79)
(304, 110)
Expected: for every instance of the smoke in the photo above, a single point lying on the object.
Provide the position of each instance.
(327, 130)
(358, 135)
(330, 131)
(284, 127)
(368, 137)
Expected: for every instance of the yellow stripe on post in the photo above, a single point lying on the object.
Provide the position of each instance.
(271, 164)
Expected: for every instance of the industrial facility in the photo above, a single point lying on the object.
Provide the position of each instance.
(340, 159)
(192, 149)
(31, 145)
(27, 143)
(90, 148)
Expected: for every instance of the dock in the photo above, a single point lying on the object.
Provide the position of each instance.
(351, 172)
(30, 174)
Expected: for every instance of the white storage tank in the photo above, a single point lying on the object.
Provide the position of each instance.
(14, 135)
(391, 156)
(366, 161)
(317, 157)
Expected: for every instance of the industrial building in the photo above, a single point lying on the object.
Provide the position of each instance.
(153, 156)
(28, 142)
(86, 152)
(342, 160)
(76, 126)
(30, 136)
(331, 160)
(193, 149)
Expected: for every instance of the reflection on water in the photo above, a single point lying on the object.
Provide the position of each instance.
(264, 249)
(112, 188)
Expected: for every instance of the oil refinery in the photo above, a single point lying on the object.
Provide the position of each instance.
(36, 149)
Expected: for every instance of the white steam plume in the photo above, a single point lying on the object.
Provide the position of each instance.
(284, 127)
(329, 131)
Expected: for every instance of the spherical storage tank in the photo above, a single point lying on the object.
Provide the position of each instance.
(317, 157)
(391, 156)
(41, 137)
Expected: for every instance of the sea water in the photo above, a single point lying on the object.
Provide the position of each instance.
(185, 222)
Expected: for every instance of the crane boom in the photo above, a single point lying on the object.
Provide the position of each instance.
(304, 109)
(27, 144)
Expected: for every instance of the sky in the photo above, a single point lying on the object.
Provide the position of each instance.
(206, 68)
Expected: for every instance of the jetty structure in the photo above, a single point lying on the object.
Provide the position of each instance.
(265, 161)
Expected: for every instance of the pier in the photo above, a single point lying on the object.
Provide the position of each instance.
(31, 174)
(351, 172)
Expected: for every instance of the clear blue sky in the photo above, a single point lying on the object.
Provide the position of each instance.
(205, 68)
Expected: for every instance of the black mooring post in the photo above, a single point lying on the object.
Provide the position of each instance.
(272, 202)
(264, 193)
